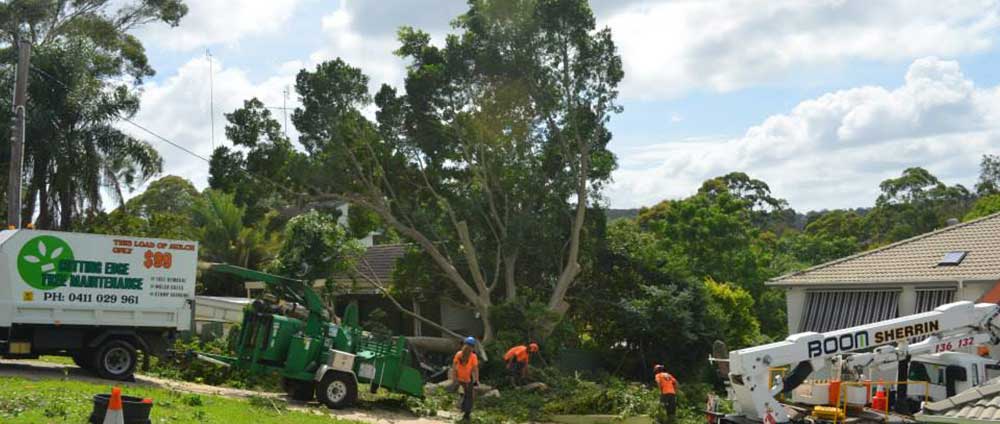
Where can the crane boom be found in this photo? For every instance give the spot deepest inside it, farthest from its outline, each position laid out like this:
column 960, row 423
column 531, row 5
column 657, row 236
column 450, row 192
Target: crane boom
column 749, row 373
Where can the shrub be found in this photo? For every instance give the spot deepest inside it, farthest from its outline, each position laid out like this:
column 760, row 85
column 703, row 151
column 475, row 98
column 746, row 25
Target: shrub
column 184, row 366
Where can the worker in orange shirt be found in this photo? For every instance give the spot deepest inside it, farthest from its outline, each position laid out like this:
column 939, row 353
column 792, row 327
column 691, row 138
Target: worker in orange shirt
column 668, row 390
column 517, row 359
column 465, row 371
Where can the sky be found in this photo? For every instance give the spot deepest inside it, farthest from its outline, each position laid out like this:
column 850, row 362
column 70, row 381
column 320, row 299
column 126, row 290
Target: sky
column 821, row 99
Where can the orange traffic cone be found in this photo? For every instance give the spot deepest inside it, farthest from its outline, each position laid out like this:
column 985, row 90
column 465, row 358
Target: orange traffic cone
column 880, row 402
column 115, row 414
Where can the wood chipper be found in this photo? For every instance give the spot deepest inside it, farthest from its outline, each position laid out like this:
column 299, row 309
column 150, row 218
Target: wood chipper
column 316, row 358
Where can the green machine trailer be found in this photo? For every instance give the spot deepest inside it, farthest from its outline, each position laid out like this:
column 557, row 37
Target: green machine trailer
column 316, row 358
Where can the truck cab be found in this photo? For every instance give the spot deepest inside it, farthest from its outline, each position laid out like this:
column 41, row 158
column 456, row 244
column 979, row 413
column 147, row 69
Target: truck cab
column 947, row 374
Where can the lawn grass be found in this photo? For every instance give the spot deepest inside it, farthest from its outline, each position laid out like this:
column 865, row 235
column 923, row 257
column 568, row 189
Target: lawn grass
column 62, row 360
column 65, row 401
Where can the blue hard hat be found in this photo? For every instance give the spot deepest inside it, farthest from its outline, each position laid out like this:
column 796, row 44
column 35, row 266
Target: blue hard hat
column 471, row 341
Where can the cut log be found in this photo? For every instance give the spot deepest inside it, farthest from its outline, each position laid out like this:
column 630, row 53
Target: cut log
column 534, row 387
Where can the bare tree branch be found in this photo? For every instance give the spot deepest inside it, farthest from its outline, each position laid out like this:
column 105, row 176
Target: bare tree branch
column 376, row 282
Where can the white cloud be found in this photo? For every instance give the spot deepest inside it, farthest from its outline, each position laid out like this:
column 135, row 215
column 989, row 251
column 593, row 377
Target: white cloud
column 832, row 151
column 672, row 47
column 370, row 52
column 178, row 108
column 211, row 22
column 363, row 34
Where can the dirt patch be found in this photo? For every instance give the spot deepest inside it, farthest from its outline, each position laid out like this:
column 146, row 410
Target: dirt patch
column 45, row 370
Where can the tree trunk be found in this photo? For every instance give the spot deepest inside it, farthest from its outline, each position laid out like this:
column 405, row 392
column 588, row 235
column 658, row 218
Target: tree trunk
column 484, row 316
column 510, row 265
column 44, row 207
column 28, row 209
column 417, row 325
column 37, row 195
column 65, row 211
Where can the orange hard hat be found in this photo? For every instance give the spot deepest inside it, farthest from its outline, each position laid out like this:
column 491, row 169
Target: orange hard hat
column 533, row 347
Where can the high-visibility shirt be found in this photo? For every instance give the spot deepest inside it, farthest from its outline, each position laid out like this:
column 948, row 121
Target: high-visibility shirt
column 518, row 352
column 667, row 383
column 463, row 371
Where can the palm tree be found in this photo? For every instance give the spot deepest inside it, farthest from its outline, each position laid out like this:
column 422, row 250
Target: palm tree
column 74, row 153
column 86, row 70
column 226, row 238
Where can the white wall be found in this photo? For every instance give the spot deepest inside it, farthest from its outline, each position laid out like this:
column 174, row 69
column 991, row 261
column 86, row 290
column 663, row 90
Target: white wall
column 974, row 290
column 795, row 298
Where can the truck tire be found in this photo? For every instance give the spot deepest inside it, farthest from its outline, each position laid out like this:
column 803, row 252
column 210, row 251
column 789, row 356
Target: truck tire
column 302, row 391
column 115, row 360
column 337, row 390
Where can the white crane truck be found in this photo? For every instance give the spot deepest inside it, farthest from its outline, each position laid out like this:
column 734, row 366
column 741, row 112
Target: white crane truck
column 955, row 326
column 98, row 299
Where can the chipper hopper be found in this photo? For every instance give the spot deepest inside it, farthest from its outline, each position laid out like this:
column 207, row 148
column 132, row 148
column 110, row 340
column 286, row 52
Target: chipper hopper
column 315, row 357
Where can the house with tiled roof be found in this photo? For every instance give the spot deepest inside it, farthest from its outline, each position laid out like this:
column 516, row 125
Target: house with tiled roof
column 957, row 262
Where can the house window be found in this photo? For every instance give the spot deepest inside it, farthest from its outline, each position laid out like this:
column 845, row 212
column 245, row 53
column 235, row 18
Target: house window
column 928, row 299
column 837, row 309
column 953, row 258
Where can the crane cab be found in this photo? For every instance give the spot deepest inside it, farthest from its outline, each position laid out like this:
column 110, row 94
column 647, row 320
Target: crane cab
column 947, row 374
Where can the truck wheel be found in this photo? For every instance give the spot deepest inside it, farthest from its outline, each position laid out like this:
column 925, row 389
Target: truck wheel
column 337, row 390
column 116, row 360
column 303, row 391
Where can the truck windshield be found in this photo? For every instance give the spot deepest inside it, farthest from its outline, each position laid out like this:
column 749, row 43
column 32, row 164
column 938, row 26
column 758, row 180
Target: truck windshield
column 931, row 373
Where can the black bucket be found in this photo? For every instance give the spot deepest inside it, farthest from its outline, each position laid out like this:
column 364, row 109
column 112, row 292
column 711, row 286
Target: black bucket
column 133, row 409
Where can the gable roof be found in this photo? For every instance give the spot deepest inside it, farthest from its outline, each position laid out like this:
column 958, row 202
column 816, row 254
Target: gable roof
column 976, row 404
column 377, row 264
column 915, row 259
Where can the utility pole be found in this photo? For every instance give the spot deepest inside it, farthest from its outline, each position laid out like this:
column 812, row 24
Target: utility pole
column 211, row 94
column 17, row 135
column 284, row 108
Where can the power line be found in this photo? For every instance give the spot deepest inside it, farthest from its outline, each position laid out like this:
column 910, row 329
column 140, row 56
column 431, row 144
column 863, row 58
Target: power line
column 172, row 143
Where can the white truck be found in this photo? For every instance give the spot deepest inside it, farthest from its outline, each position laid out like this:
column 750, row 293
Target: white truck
column 893, row 343
column 98, row 299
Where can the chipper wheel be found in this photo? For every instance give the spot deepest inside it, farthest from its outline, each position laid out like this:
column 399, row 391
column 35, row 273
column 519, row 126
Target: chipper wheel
column 302, row 391
column 337, row 390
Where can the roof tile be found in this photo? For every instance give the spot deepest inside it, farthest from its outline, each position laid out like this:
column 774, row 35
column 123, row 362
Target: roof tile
column 379, row 261
column 982, row 404
column 915, row 259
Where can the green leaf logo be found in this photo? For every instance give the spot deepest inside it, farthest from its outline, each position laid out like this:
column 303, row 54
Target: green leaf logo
column 40, row 257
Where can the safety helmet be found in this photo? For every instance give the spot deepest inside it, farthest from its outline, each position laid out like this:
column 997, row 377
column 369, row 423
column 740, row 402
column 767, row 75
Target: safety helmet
column 471, row 341
column 533, row 347
column 658, row 368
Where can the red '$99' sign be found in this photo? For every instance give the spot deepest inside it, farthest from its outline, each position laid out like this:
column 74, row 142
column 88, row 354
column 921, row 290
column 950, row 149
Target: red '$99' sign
column 158, row 260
